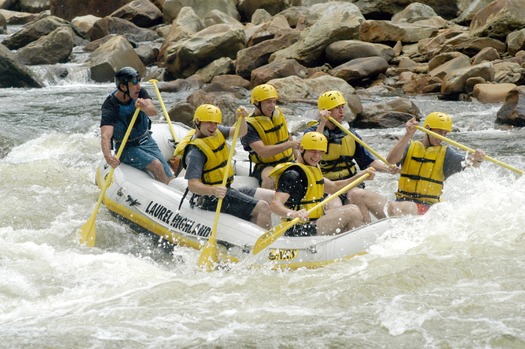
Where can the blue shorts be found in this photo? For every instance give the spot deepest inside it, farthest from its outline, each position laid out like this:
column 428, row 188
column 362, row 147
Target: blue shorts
column 142, row 153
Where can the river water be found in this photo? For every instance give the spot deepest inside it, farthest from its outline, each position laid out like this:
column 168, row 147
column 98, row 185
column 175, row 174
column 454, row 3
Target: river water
column 453, row 278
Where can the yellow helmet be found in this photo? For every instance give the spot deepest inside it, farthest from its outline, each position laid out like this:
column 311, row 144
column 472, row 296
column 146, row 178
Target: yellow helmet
column 314, row 141
column 438, row 120
column 208, row 113
column 263, row 92
column 329, row 100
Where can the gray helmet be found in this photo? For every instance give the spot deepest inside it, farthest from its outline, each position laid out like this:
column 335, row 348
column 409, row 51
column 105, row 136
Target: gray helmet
column 125, row 75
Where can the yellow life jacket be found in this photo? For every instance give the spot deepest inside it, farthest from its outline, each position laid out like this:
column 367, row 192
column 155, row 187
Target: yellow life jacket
column 181, row 147
column 314, row 189
column 216, row 151
column 272, row 131
column 422, row 174
column 338, row 161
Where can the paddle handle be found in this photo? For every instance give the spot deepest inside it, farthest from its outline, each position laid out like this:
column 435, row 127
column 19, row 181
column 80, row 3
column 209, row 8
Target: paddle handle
column 164, row 111
column 225, row 178
column 209, row 252
column 360, row 141
column 270, row 236
column 464, row 147
column 88, row 232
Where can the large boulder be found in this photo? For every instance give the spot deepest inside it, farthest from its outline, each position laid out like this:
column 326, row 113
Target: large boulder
column 18, row 18
column 15, row 74
column 360, row 68
column 35, row 30
column 388, row 31
column 69, row 9
column 142, row 13
column 276, row 70
column 386, row 9
column 248, row 7
column 112, row 55
column 56, row 47
column 512, row 112
column 219, row 40
column 492, row 93
column 295, row 89
column 454, row 83
column 186, row 24
column 34, row 6
column 171, row 8
column 119, row 26
column 338, row 21
column 343, row 51
column 256, row 56
column 498, row 19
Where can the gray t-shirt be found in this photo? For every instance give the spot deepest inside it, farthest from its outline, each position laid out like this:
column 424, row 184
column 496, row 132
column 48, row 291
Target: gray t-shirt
column 195, row 158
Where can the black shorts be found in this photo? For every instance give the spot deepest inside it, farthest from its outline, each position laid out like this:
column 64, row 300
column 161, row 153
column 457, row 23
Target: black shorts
column 257, row 172
column 306, row 229
column 237, row 202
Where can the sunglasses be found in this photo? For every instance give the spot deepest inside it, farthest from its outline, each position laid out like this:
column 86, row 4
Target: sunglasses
column 135, row 81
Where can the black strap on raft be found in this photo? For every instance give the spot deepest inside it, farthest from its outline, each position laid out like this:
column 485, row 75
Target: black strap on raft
column 184, row 196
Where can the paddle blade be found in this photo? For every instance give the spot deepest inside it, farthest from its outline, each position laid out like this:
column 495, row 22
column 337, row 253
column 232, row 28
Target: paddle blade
column 209, row 256
column 271, row 235
column 88, row 232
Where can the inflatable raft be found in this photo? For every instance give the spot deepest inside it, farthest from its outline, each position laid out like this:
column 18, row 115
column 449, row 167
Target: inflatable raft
column 135, row 196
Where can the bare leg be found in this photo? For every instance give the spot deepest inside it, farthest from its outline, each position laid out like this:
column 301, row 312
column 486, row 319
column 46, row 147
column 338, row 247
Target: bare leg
column 402, row 208
column 335, row 203
column 267, row 182
column 368, row 202
column 339, row 220
column 264, row 194
column 155, row 167
column 261, row 215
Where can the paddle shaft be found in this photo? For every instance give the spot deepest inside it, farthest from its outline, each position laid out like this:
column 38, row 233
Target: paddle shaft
column 88, row 232
column 358, row 140
column 464, row 147
column 165, row 112
column 209, row 252
column 270, row 236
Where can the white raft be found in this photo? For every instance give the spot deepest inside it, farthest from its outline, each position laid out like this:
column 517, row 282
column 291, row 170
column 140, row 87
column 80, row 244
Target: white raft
column 135, row 196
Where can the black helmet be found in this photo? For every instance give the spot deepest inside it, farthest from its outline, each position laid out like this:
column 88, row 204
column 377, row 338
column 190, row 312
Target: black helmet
column 125, row 75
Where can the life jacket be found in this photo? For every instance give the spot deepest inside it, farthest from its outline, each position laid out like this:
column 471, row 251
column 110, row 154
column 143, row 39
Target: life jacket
column 314, row 188
column 422, row 174
column 140, row 127
column 180, row 149
column 272, row 130
column 216, row 151
column 338, row 161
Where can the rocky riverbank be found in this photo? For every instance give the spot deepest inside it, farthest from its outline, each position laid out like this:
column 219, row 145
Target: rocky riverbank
column 220, row 50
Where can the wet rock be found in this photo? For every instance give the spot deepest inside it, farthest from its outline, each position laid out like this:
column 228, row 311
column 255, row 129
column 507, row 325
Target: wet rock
column 512, row 112
column 15, row 74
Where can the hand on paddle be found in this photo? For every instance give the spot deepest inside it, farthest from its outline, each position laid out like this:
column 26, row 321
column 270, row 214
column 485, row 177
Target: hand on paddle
column 219, row 191
column 476, row 158
column 301, row 214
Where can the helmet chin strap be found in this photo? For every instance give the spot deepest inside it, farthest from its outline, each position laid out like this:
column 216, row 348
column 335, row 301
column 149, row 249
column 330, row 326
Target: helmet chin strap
column 126, row 92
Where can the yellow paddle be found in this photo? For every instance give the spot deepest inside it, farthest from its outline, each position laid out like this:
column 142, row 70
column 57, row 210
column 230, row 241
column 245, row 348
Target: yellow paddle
column 464, row 147
column 209, row 254
column 166, row 116
column 273, row 234
column 173, row 162
column 344, row 129
column 88, row 232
